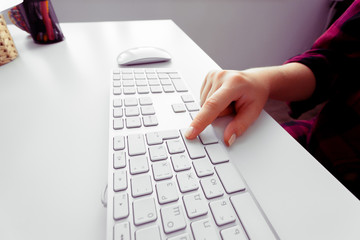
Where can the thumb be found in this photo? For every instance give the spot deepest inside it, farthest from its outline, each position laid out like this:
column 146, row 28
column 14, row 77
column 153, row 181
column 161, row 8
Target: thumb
column 244, row 118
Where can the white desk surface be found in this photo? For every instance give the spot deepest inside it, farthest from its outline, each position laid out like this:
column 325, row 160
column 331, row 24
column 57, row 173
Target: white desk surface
column 53, row 140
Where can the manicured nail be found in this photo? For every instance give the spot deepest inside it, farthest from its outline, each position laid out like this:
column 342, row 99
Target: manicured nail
column 232, row 139
column 189, row 131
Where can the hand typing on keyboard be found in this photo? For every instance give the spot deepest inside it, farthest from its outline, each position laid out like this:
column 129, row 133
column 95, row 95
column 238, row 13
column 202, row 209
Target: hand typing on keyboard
column 244, row 94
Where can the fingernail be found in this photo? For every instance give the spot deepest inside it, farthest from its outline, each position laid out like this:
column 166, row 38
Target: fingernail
column 189, row 131
column 232, row 139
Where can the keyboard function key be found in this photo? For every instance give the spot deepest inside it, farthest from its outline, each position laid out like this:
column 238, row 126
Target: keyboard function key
column 188, row 98
column 192, row 107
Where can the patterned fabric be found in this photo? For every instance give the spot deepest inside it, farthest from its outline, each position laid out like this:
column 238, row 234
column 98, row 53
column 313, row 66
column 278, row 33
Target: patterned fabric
column 334, row 136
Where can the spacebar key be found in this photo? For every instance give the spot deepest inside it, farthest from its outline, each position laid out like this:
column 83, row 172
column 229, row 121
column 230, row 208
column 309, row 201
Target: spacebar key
column 136, row 144
column 251, row 217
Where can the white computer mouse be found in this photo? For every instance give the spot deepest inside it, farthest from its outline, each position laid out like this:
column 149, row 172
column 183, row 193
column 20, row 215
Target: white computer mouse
column 142, row 55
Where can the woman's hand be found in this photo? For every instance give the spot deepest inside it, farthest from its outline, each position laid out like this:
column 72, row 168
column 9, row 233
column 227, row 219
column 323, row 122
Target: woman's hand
column 230, row 92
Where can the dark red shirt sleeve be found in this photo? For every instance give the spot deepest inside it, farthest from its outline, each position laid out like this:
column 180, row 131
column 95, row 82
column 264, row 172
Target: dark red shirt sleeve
column 334, row 59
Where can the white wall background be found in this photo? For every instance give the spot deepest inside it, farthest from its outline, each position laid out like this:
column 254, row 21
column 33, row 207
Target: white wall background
column 237, row 34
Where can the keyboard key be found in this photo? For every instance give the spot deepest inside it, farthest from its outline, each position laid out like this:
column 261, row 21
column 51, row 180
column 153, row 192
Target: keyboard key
column 150, row 120
column 212, row 187
column 152, row 233
column 187, row 98
column 168, row 88
column 184, row 236
column 140, row 76
column 119, row 143
column 141, row 83
column 144, row 211
column 170, row 134
column 180, row 162
column 117, row 112
column 136, row 144
column 162, row 170
column 138, row 164
column 192, row 107
column 187, row 181
column 145, row 101
column 147, row 110
column 117, row 90
column 154, row 82
column 232, row 233
column 156, row 89
column 217, row 153
column 157, row 153
column 129, row 90
column 121, row 206
column 194, row 147
column 154, row 138
column 122, row 231
column 230, row 178
column 167, row 192
column 175, row 146
column 179, row 85
column 130, row 101
column 128, row 83
column 204, row 229
column 120, row 180
column 207, row 136
column 173, row 218
column 117, row 102
column 178, row 107
column 143, row 90
column 141, row 185
column 251, row 217
column 203, row 167
column 223, row 212
column 132, row 111
column 133, row 122
column 118, row 124
column 195, row 205
column 119, row 159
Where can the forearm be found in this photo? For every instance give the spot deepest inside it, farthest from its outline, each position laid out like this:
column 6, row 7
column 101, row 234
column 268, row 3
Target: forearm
column 288, row 82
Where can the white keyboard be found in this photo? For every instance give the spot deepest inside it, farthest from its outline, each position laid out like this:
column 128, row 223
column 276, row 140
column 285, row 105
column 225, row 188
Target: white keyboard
column 161, row 185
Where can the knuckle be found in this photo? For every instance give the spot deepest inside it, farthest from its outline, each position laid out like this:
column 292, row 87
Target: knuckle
column 211, row 104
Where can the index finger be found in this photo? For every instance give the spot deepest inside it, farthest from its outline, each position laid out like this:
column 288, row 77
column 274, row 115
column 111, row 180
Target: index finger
column 210, row 110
